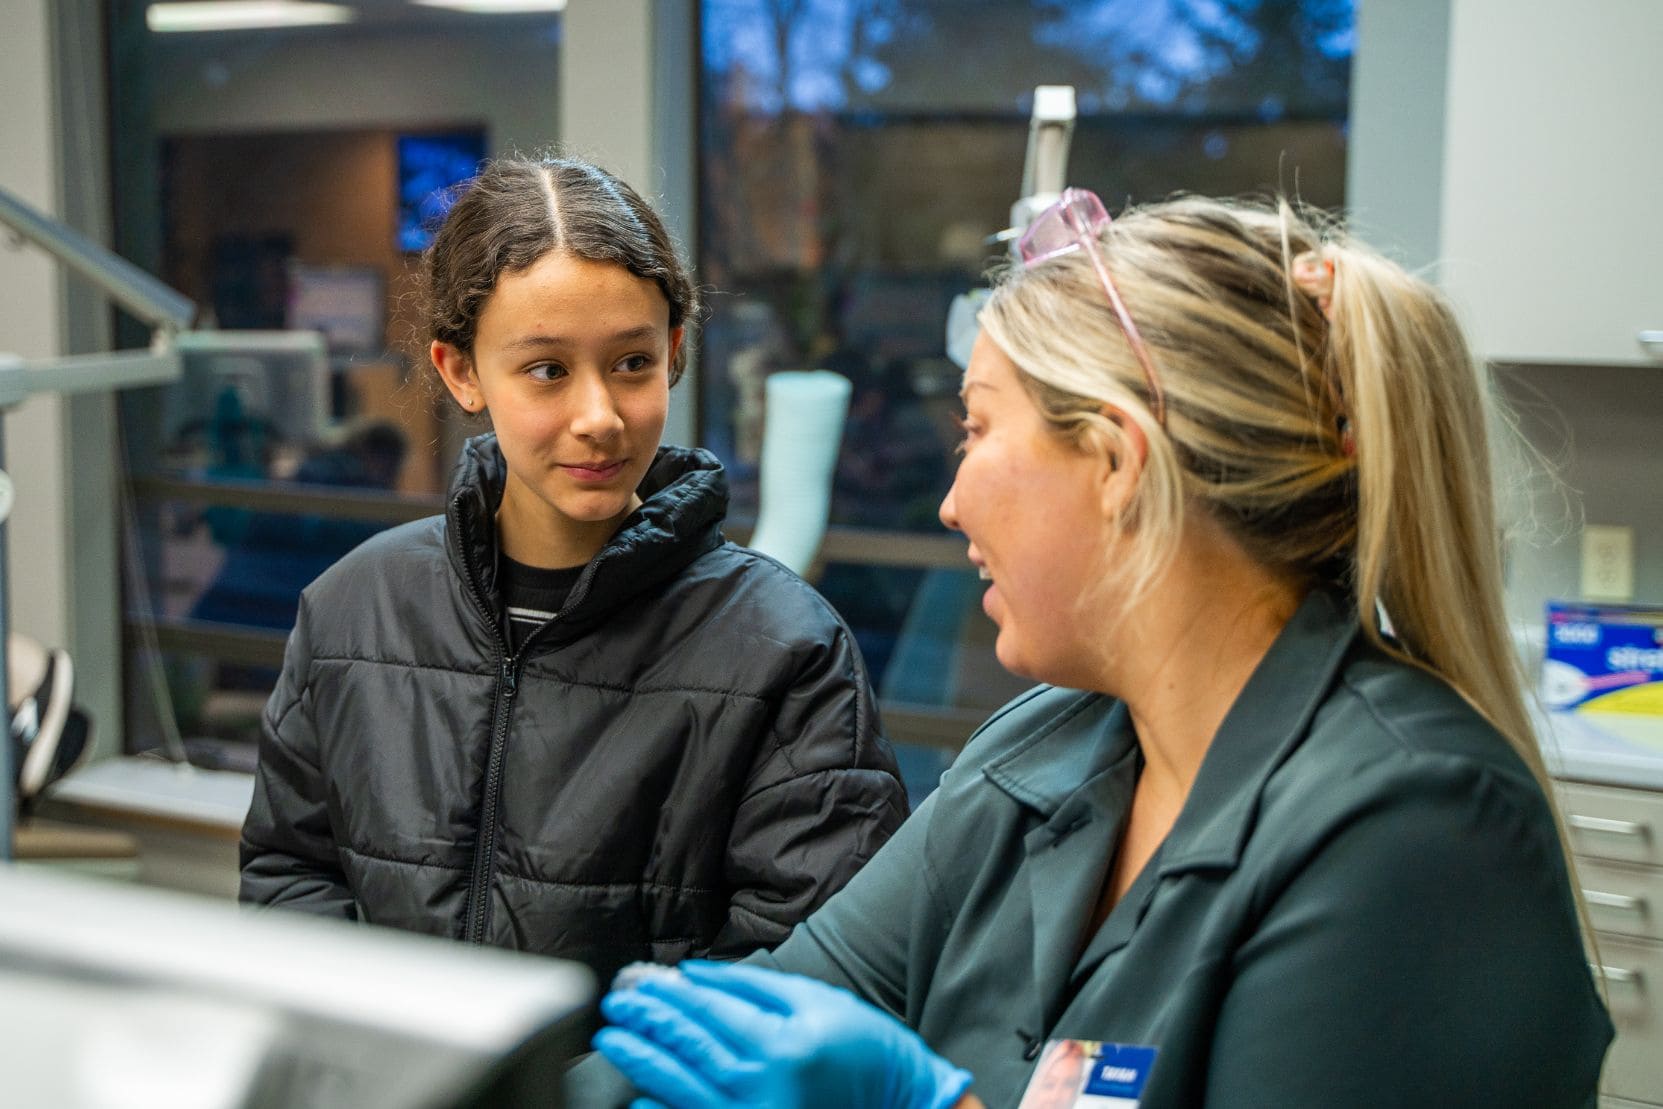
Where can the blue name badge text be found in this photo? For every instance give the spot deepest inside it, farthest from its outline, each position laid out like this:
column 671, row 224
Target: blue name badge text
column 1120, row 1071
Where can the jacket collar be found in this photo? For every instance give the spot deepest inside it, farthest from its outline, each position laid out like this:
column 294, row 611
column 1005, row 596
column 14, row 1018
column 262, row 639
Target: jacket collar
column 684, row 498
column 1054, row 772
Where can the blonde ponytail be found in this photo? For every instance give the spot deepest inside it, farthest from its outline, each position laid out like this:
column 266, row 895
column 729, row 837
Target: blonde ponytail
column 1428, row 548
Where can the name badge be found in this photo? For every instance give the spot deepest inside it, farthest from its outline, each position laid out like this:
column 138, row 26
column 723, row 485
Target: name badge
column 1089, row 1074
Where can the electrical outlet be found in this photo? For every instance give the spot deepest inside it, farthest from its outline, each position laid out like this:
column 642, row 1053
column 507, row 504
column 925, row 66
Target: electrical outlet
column 1607, row 563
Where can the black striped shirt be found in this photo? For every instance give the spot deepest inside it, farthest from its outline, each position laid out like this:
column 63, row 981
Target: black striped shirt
column 533, row 596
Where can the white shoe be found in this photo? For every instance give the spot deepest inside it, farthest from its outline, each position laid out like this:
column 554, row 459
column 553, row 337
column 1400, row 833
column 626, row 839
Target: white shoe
column 40, row 686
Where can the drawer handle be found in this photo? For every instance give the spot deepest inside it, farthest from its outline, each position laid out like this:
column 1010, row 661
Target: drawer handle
column 1652, row 343
column 1615, row 901
column 1619, row 975
column 1609, row 827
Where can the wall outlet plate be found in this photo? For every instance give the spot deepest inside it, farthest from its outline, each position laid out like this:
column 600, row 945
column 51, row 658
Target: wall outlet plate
column 1607, row 563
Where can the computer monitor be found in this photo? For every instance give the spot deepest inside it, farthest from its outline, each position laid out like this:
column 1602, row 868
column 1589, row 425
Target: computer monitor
column 242, row 391
column 430, row 166
column 114, row 996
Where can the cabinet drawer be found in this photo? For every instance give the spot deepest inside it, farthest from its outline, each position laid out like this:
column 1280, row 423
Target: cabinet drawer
column 1611, row 823
column 1623, row 899
column 1634, row 1065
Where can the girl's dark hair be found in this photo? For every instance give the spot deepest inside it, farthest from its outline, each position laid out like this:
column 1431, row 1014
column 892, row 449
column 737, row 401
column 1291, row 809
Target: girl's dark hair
column 517, row 210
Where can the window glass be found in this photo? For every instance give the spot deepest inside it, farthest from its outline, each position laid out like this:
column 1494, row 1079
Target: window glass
column 856, row 159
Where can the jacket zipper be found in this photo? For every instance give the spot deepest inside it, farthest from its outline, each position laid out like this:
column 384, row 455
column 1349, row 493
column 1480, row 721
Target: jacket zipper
column 485, row 848
column 508, row 684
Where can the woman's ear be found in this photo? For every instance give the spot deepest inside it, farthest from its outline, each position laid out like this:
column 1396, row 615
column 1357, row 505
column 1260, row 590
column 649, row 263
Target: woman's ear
column 1124, row 453
column 677, row 334
column 457, row 372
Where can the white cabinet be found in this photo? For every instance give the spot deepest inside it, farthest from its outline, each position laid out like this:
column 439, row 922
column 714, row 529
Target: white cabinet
column 1551, row 214
column 1616, row 835
column 1513, row 150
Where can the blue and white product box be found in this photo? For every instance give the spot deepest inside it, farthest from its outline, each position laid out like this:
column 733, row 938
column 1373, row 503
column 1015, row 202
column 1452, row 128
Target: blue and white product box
column 1604, row 658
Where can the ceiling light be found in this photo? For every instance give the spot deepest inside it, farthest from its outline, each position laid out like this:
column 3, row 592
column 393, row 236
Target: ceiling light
column 243, row 15
column 496, row 7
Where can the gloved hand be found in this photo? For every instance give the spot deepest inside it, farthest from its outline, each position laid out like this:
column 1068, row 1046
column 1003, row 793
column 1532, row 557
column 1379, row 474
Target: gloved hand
column 720, row 1036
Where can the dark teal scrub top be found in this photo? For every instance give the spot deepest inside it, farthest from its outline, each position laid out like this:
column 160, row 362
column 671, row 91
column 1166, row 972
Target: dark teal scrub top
column 1363, row 902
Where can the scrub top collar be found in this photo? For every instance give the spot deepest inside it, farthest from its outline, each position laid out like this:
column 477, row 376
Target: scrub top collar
column 1055, row 772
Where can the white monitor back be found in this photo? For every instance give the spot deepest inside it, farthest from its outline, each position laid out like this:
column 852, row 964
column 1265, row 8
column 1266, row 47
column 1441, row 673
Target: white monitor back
column 115, row 997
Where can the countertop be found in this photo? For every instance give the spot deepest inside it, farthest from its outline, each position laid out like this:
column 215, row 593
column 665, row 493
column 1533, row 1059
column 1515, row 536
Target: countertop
column 212, row 800
column 1618, row 749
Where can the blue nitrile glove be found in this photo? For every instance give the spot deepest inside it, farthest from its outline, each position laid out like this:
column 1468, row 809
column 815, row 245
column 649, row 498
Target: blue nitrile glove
column 720, row 1036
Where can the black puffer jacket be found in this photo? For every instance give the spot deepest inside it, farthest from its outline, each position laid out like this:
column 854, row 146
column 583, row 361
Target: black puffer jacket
column 686, row 760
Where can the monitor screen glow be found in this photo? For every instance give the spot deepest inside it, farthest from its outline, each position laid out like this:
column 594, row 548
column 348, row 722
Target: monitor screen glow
column 430, row 166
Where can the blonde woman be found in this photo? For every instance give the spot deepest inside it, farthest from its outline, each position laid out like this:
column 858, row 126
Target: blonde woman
column 1256, row 848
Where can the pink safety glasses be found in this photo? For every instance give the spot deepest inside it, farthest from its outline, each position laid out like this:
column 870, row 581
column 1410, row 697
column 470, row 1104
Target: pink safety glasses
column 1075, row 222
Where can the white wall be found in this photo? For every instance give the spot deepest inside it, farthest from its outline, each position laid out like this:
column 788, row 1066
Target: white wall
column 607, row 88
column 30, row 326
column 1394, row 168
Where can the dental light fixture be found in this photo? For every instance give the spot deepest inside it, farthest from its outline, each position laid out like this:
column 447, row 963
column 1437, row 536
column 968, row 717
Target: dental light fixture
column 496, row 7
column 243, row 15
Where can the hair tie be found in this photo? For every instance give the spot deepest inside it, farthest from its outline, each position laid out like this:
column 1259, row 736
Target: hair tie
column 1313, row 275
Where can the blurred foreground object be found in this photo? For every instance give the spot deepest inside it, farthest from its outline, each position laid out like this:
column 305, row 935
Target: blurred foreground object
column 119, row 997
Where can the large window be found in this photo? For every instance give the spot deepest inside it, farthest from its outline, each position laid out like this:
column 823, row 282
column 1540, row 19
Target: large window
column 856, row 159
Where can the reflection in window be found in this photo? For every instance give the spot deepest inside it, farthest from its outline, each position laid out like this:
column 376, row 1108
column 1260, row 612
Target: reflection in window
column 856, row 158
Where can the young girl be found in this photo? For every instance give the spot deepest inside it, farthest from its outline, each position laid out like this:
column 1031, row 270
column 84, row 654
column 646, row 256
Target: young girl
column 567, row 716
